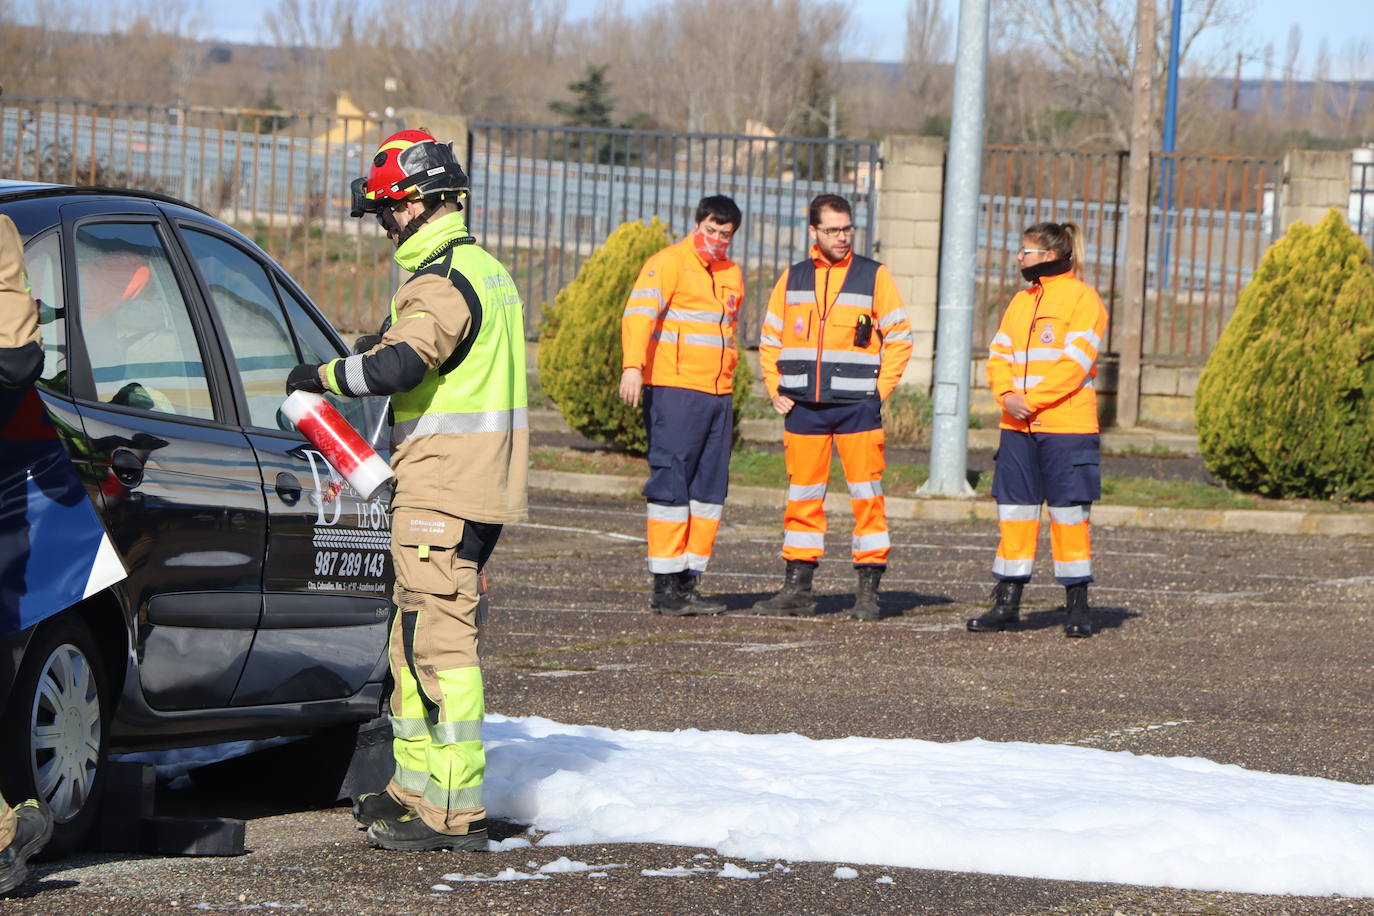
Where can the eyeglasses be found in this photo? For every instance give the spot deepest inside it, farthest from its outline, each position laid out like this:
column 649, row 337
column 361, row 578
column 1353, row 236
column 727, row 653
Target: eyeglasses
column 831, row 232
column 1022, row 252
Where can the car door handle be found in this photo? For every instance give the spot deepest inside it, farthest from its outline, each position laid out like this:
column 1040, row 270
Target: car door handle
column 288, row 488
column 127, row 467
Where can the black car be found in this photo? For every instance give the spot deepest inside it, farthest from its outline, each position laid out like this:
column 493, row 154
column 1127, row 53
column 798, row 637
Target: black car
column 258, row 593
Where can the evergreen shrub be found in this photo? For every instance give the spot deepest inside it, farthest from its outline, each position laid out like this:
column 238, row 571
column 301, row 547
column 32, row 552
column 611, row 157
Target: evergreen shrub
column 579, row 342
column 1285, row 405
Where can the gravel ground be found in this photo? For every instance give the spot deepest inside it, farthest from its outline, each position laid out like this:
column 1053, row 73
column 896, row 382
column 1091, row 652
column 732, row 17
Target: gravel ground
column 1243, row 649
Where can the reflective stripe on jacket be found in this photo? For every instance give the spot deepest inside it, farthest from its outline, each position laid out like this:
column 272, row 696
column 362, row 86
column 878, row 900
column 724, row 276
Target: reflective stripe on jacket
column 1046, row 347
column 809, row 348
column 679, row 322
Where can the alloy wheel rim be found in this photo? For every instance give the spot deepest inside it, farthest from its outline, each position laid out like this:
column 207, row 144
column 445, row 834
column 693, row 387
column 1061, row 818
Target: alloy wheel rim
column 65, row 725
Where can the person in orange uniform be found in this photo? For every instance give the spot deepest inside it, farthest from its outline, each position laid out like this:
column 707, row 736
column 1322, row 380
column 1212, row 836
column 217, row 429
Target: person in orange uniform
column 1041, row 366
column 834, row 345
column 678, row 350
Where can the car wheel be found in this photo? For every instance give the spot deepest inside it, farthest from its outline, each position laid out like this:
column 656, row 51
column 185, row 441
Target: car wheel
column 59, row 712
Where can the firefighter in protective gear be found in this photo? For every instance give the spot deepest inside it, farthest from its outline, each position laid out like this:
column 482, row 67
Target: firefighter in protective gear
column 451, row 356
column 25, row 829
column 1041, row 365
column 678, row 355
column 834, row 345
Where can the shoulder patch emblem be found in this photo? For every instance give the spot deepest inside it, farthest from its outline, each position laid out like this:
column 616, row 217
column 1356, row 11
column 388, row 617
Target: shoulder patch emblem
column 799, row 326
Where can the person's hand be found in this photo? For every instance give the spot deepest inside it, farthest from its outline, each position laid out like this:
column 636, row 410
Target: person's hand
column 1015, row 404
column 305, row 377
column 631, row 386
column 783, row 404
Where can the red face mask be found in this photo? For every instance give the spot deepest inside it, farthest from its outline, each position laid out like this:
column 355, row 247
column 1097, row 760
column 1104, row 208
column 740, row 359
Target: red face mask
column 712, row 251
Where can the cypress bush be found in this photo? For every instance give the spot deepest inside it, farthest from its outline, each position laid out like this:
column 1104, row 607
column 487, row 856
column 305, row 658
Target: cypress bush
column 1285, row 405
column 579, row 343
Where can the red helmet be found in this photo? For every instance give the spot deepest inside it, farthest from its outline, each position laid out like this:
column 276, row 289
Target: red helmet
column 408, row 165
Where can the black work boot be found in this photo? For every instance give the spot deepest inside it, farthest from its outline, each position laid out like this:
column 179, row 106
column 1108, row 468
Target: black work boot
column 1006, row 609
column 795, row 597
column 31, row 834
column 1076, row 603
column 668, row 597
column 409, row 832
column 866, row 600
column 699, row 603
column 372, row 807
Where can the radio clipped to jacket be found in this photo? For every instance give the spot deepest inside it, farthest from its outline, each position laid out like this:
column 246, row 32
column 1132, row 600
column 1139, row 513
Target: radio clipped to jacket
column 863, row 331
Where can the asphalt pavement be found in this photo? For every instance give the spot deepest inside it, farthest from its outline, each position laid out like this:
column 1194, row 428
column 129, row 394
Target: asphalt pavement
column 1250, row 649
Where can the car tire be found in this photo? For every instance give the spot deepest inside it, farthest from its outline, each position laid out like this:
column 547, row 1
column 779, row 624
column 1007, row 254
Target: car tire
column 58, row 713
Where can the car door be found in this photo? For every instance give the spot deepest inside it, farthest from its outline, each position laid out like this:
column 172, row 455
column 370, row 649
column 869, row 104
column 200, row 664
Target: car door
column 183, row 496
column 327, row 579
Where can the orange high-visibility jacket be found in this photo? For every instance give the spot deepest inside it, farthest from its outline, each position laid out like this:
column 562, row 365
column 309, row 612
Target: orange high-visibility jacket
column 679, row 323
column 811, row 333
column 1046, row 348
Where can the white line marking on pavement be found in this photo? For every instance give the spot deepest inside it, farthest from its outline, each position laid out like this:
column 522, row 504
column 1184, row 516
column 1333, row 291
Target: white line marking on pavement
column 587, row 510
column 1134, row 730
column 775, row 647
column 559, row 673
column 608, row 534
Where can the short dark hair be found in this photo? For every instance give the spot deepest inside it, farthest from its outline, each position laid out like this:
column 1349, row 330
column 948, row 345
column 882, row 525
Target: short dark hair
column 720, row 208
column 827, row 202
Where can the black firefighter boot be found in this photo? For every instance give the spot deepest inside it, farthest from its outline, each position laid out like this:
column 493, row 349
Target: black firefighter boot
column 795, row 597
column 31, row 834
column 1076, row 603
column 668, row 597
column 699, row 603
column 866, row 601
column 1006, row 609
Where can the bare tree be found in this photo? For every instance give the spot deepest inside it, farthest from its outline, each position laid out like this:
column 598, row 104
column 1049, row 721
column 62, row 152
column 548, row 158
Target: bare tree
column 1090, row 42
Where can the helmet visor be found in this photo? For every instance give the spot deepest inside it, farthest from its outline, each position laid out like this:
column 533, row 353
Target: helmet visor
column 362, row 204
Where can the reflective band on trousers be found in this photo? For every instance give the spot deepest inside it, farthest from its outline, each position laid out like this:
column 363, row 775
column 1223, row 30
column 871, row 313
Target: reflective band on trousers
column 1069, row 515
column 455, row 732
column 877, row 541
column 665, row 565
column 453, row 799
column 453, row 424
column 866, row 489
column 658, row 512
column 411, row 780
column 798, row 492
column 1074, row 569
column 813, row 539
column 706, row 510
column 409, row 728
column 1010, row 513
column 697, row 562
column 1012, row 569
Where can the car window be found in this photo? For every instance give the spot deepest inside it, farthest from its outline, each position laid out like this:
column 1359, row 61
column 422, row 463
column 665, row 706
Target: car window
column 252, row 319
column 135, row 322
column 43, row 262
column 316, row 347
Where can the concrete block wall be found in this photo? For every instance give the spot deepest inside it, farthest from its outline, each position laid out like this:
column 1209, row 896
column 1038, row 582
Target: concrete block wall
column 910, row 192
column 1314, row 181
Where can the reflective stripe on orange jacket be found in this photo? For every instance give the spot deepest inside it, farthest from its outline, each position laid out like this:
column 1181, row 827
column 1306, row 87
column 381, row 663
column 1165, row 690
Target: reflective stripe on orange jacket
column 1047, row 348
column 807, row 349
column 679, row 323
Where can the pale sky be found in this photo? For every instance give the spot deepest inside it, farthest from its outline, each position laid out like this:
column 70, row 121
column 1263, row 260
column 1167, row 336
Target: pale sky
column 880, row 25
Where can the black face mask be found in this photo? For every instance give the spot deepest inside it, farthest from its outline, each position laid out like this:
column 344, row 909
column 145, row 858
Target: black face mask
column 1047, row 269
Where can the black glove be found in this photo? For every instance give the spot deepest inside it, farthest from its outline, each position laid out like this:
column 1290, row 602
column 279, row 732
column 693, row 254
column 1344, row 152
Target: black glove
column 305, row 377
column 366, row 342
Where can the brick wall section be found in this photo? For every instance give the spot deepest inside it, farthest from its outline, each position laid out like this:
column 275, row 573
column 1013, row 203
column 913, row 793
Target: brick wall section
column 910, row 191
column 1314, row 181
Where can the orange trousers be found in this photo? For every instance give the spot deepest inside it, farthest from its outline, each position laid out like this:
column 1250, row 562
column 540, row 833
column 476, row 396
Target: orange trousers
column 812, row 433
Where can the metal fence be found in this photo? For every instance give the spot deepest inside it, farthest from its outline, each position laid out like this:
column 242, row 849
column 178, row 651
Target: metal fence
column 279, row 177
column 546, row 197
column 1361, row 214
column 1211, row 219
